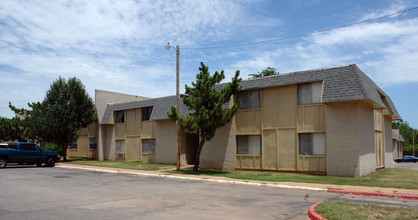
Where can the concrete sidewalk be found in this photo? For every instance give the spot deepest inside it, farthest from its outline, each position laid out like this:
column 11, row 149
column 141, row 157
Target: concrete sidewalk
column 344, row 189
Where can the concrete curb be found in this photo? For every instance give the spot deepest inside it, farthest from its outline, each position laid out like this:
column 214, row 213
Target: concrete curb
column 196, row 178
column 376, row 194
column 274, row 185
column 312, row 214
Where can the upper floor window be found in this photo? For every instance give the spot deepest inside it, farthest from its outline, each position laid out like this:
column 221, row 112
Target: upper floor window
column 146, row 113
column 310, row 93
column 250, row 99
column 120, row 116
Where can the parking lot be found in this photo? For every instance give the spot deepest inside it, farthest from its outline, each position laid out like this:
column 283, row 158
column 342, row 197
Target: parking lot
column 411, row 166
column 30, row 192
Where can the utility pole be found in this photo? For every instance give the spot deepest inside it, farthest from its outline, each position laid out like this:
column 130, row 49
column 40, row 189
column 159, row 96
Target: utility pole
column 413, row 142
column 177, row 49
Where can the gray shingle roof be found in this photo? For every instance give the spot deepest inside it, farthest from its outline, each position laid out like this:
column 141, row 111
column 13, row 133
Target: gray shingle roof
column 160, row 108
column 343, row 83
column 397, row 137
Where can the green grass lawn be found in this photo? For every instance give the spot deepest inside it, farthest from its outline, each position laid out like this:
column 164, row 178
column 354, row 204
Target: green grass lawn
column 344, row 210
column 132, row 165
column 390, row 178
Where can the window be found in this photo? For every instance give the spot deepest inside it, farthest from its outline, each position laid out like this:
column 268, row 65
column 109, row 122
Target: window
column 120, row 116
column 28, row 147
column 93, row 143
column 120, row 150
column 120, row 147
column 249, row 99
column 249, row 144
column 73, row 145
column 312, row 144
column 148, row 146
column 310, row 93
column 146, row 113
column 12, row 146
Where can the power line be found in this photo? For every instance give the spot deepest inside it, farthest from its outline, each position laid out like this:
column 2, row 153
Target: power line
column 303, row 35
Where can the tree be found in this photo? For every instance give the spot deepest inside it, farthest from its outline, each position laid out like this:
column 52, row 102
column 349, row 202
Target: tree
column 207, row 104
column 406, row 131
column 269, row 71
column 12, row 129
column 65, row 110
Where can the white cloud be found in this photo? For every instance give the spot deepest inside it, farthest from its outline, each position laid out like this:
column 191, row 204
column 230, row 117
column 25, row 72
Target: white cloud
column 112, row 45
column 387, row 50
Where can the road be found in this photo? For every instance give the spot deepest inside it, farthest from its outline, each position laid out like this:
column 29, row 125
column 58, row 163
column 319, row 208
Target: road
column 30, row 192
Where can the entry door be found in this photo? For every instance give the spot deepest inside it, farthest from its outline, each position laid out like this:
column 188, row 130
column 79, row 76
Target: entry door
column 192, row 143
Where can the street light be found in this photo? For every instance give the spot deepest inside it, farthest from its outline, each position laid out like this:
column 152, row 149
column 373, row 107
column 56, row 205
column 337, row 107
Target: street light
column 177, row 49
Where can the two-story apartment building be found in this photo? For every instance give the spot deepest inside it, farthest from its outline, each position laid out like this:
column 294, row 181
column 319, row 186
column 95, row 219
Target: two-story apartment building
column 334, row 121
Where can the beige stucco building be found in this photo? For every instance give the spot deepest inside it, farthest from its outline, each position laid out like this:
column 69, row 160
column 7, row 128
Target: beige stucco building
column 333, row 121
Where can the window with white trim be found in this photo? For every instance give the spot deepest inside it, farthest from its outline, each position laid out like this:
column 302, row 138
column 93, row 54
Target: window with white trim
column 310, row 93
column 249, row 144
column 312, row 144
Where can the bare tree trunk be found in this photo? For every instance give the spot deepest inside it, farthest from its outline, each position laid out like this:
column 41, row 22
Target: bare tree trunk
column 64, row 152
column 197, row 156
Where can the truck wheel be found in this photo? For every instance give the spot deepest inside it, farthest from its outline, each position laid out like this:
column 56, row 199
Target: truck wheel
column 51, row 162
column 38, row 164
column 3, row 163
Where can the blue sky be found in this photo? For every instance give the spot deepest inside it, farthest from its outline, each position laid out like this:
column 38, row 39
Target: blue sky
column 119, row 45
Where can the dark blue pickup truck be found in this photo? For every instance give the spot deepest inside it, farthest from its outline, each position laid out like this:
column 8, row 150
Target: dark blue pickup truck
column 27, row 153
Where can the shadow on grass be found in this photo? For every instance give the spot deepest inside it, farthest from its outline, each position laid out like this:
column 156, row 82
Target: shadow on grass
column 201, row 172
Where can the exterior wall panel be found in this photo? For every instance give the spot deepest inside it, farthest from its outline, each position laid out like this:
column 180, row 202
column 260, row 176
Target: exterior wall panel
column 132, row 149
column 166, row 149
column 219, row 153
column 120, row 131
column 342, row 137
column 367, row 159
column 287, row 149
column 269, row 149
column 311, row 118
column 131, row 123
column 287, row 106
column 270, row 107
column 388, row 142
column 248, row 121
column 148, row 129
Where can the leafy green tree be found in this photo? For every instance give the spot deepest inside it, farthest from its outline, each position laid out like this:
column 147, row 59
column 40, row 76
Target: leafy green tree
column 405, row 130
column 65, row 110
column 269, row 71
column 12, row 129
column 207, row 104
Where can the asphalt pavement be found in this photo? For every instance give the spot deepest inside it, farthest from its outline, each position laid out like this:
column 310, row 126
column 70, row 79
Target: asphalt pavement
column 82, row 192
column 30, row 192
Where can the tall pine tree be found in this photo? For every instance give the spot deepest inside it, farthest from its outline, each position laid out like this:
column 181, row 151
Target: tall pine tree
column 207, row 104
